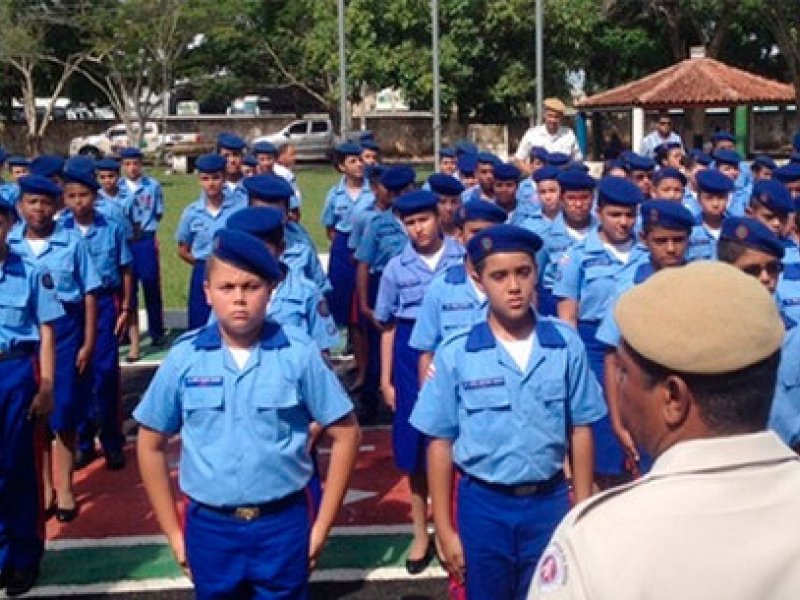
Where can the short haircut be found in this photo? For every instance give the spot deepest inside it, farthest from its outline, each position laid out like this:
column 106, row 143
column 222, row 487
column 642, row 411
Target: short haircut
column 729, row 403
column 282, row 148
column 729, row 251
column 664, row 114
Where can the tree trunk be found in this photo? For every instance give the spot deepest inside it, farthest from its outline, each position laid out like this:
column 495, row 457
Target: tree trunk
column 34, row 143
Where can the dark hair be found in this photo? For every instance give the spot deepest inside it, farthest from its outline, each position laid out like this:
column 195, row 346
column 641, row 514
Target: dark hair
column 729, row 251
column 729, row 403
column 282, row 148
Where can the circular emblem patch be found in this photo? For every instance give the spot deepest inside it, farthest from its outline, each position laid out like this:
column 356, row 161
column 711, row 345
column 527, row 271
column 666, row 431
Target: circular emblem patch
column 741, row 232
column 653, row 215
column 47, row 281
column 552, row 570
column 487, row 244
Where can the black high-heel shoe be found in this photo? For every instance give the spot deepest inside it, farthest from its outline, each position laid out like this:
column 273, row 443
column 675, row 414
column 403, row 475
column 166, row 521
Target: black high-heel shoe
column 50, row 509
column 415, row 567
column 66, row 515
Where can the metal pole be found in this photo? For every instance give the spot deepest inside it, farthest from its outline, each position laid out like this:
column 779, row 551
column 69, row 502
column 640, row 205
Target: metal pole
column 437, row 118
column 343, row 116
column 539, row 61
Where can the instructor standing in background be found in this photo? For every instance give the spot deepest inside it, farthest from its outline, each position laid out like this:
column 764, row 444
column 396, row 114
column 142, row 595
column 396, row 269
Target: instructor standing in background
column 550, row 135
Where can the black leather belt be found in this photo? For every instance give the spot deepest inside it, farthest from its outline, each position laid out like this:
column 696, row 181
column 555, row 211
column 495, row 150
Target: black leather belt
column 251, row 512
column 20, row 351
column 522, row 489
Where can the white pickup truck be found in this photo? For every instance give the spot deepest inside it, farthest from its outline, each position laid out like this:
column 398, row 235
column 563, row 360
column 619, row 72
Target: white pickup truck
column 113, row 139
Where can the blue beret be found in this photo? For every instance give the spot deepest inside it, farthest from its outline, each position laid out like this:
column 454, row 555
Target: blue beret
column 545, row 174
column 701, row 158
column 445, row 185
column 666, row 147
column 396, row 179
column 618, row 190
column 465, row 147
column 571, row 181
column 366, row 136
column 502, row 238
column 788, row 173
column 488, row 158
column 727, row 157
column 466, row 163
column 414, row 202
column 637, row 162
column 480, row 210
column 38, row 184
column 18, row 161
column 370, row 144
column 720, row 136
column 265, row 148
column 506, row 172
column 763, row 160
column 619, row 163
column 794, row 157
column 3, row 155
column 667, row 214
column 577, row 165
column 348, row 149
column 260, row 221
column 47, row 165
column 447, row 153
column 539, row 153
column 751, row 233
column 557, row 159
column 250, row 160
column 131, row 152
column 269, row 188
column 7, row 207
column 230, row 141
column 374, row 172
column 107, row 164
column 774, row 195
column 210, row 163
column 669, row 173
column 246, row 252
column 713, row 182
column 77, row 175
column 80, row 163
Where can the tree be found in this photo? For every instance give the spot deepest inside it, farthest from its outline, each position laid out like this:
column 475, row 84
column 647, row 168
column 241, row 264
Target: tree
column 26, row 47
column 783, row 19
column 138, row 43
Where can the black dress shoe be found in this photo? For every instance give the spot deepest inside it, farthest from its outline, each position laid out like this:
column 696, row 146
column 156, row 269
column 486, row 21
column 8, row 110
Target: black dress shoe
column 66, row 515
column 84, row 459
column 415, row 567
column 3, row 575
column 20, row 581
column 115, row 461
column 158, row 341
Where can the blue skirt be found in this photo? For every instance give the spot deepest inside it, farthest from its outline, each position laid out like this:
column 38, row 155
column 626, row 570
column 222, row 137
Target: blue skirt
column 408, row 443
column 609, row 457
column 342, row 275
column 71, row 393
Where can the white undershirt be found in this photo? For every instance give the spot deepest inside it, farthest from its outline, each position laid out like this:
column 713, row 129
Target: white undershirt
column 621, row 252
column 520, row 350
column 132, row 185
column 37, row 246
column 84, row 229
column 241, row 355
column 433, row 259
column 213, row 210
column 713, row 232
column 577, row 234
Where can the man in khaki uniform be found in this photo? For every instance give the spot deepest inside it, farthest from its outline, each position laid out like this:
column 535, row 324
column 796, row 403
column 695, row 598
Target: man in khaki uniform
column 718, row 515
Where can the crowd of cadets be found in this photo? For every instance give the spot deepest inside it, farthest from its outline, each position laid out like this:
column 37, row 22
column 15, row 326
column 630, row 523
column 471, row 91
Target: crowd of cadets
column 497, row 405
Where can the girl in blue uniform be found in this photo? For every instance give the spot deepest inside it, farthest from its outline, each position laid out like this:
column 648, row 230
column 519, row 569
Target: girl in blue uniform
column 111, row 257
column 64, row 254
column 402, row 287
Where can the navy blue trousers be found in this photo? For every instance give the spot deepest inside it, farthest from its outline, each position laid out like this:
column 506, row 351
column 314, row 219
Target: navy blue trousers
column 147, row 271
column 264, row 559
column 21, row 530
column 503, row 537
column 199, row 310
column 342, row 275
column 71, row 391
column 407, row 442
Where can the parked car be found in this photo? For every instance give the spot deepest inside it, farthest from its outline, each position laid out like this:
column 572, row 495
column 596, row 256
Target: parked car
column 313, row 137
column 115, row 138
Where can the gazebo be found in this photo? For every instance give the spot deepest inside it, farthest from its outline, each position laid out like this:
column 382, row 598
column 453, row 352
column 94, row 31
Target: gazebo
column 694, row 85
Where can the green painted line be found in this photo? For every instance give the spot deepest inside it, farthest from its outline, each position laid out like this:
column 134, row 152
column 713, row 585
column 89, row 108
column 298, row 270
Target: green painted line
column 83, row 566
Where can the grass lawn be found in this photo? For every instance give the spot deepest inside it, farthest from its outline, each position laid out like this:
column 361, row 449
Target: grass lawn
column 180, row 190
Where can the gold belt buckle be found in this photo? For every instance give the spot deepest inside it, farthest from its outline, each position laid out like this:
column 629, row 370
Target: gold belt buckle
column 247, row 513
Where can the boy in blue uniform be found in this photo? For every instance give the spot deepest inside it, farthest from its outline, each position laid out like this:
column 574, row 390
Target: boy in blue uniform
column 65, row 255
column 147, row 209
column 727, row 162
column 231, row 147
column 112, row 199
column 108, row 250
column 242, row 392
column 483, row 189
column 265, row 153
column 666, row 226
column 28, row 308
column 505, row 401
column 743, row 185
column 467, row 162
column 448, row 189
column 403, row 285
column 447, row 162
column 585, row 285
column 453, row 302
column 199, row 222
column 713, row 195
column 763, row 167
column 641, row 170
column 784, row 417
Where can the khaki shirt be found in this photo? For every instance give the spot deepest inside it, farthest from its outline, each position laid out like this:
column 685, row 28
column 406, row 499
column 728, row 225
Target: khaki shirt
column 715, row 518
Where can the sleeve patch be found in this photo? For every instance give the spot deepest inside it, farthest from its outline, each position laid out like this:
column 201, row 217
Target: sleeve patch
column 47, row 281
column 552, row 570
